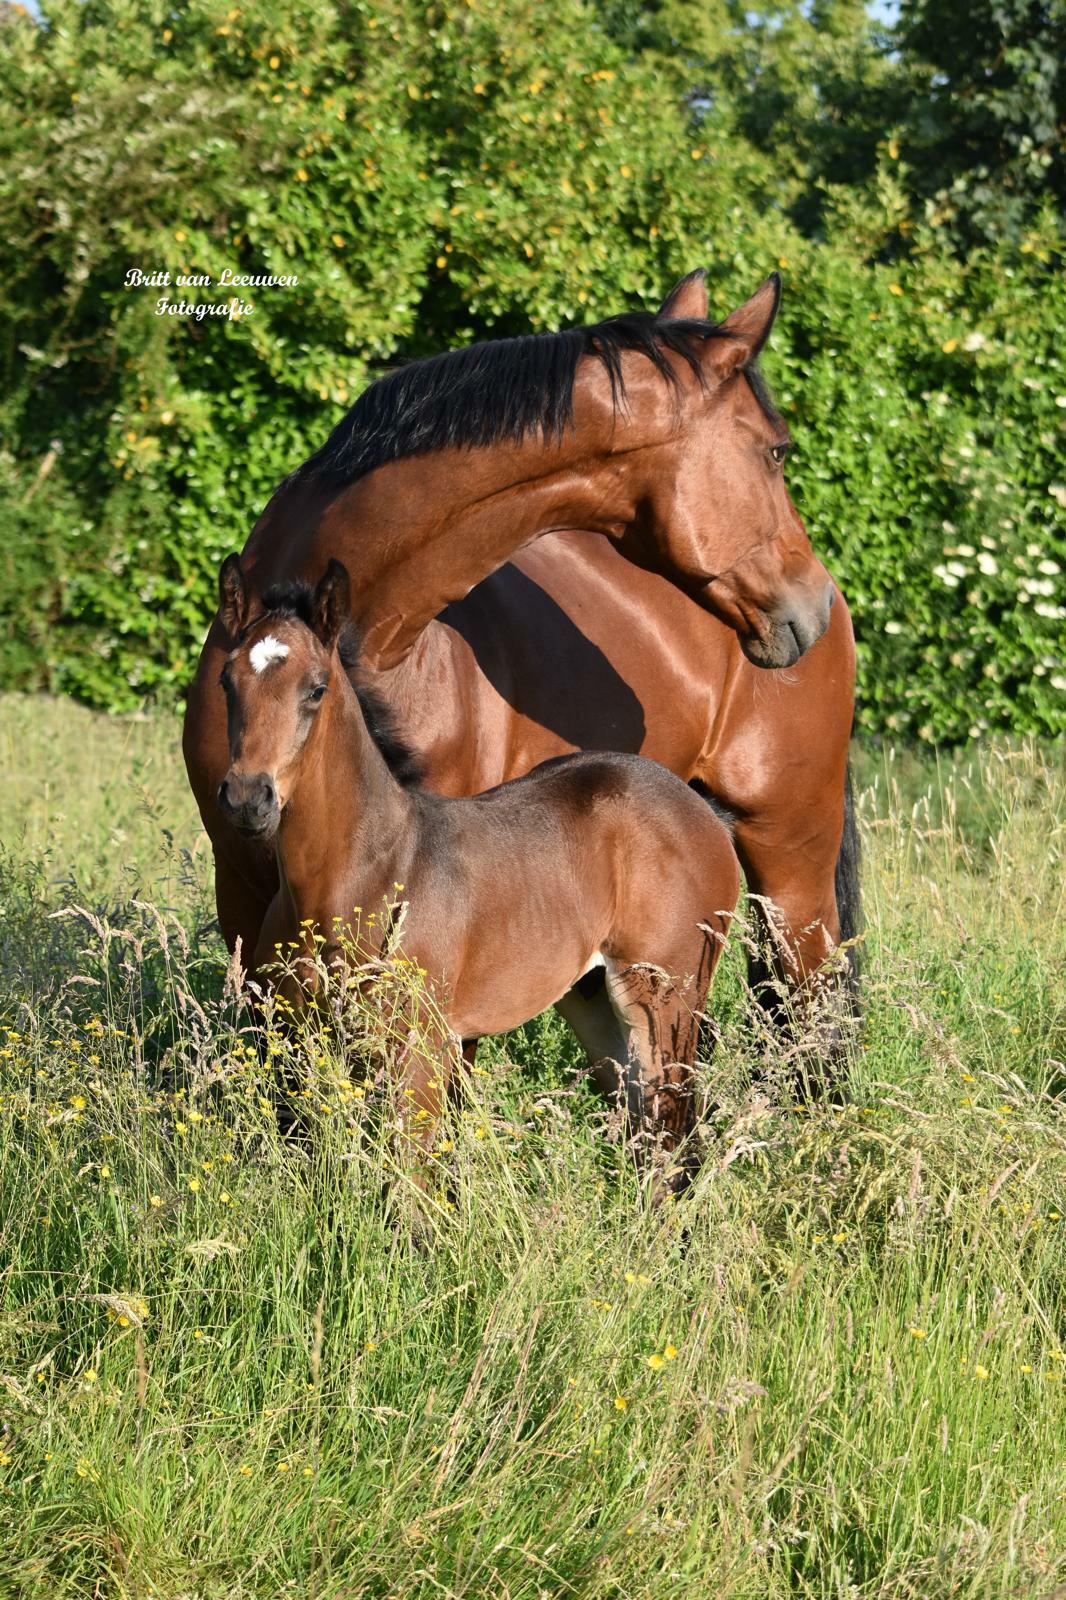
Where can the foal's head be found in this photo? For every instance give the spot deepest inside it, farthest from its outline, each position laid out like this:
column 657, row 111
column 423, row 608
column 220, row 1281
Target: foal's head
column 275, row 683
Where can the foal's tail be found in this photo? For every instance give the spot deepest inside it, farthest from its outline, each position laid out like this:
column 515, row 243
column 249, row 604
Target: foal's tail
column 848, row 879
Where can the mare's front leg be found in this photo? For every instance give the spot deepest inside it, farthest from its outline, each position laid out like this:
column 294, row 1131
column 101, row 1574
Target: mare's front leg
column 780, row 763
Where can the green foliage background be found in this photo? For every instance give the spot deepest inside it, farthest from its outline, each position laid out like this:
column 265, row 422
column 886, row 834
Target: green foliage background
column 436, row 173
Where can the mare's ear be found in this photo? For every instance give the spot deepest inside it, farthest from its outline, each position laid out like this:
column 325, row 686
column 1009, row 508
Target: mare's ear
column 749, row 328
column 232, row 597
column 332, row 603
column 687, row 299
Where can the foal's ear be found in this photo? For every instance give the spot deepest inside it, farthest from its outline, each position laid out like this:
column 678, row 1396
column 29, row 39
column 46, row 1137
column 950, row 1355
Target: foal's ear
column 749, row 327
column 687, row 299
column 331, row 606
column 232, row 597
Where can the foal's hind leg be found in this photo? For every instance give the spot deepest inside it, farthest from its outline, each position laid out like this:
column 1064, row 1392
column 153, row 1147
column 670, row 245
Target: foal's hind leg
column 639, row 1033
column 660, row 1091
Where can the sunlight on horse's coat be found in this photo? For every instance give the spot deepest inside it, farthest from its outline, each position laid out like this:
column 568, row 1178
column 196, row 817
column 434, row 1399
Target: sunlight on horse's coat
column 267, row 651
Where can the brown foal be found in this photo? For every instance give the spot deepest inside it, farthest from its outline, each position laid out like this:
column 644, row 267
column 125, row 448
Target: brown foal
column 512, row 896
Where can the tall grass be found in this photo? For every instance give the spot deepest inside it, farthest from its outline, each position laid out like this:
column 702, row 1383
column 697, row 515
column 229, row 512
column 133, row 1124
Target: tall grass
column 234, row 1363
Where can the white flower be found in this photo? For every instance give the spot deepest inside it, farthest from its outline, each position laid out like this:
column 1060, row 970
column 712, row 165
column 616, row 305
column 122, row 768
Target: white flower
column 974, row 341
column 1060, row 400
column 988, row 564
column 1058, row 680
column 1057, row 491
column 893, row 627
column 946, row 576
column 1050, row 567
column 1043, row 610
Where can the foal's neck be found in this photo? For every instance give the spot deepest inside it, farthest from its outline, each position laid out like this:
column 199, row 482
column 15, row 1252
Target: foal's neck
column 348, row 826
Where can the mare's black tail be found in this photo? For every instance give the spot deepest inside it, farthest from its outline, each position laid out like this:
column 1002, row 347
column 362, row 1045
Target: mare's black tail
column 848, row 879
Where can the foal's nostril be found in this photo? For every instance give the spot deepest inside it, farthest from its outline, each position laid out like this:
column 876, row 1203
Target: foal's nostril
column 223, row 795
column 268, row 795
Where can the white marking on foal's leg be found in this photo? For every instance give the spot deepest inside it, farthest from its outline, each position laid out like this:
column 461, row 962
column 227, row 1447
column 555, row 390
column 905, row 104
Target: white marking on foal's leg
column 267, row 651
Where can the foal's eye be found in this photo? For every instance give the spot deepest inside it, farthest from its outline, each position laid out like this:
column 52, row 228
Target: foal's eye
column 778, row 452
column 315, row 697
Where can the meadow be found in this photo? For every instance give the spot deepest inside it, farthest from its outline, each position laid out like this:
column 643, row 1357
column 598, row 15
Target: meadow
column 238, row 1364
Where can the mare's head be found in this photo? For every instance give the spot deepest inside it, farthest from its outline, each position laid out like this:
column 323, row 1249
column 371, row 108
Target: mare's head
column 716, row 511
column 275, row 683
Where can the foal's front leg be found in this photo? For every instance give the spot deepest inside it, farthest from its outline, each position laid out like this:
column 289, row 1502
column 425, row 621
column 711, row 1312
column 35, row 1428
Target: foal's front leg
column 425, row 1064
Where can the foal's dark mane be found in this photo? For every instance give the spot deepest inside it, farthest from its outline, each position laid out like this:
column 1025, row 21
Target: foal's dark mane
column 296, row 599
column 501, row 390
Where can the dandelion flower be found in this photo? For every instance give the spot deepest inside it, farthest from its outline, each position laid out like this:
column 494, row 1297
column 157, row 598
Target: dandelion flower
column 918, row 1333
column 105, row 1172
column 620, row 1402
column 670, row 1353
column 283, row 1466
column 155, row 1201
column 245, row 1470
column 194, row 1184
column 655, row 1363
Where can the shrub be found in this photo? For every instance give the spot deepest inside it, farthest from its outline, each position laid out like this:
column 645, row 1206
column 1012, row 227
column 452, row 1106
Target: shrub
column 435, row 174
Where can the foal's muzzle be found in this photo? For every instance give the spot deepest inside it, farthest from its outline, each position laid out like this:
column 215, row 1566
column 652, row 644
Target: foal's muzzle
column 250, row 802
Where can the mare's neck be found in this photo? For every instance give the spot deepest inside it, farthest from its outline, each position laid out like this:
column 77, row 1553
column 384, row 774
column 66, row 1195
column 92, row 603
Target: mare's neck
column 347, row 828
column 421, row 532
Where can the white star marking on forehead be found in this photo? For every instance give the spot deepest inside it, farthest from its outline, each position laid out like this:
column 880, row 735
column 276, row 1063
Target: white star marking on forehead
column 266, row 652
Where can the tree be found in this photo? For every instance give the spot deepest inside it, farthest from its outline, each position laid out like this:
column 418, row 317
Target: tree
column 985, row 132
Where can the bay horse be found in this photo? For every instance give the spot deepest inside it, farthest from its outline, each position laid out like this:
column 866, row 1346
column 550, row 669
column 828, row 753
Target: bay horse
column 591, row 861
column 581, row 541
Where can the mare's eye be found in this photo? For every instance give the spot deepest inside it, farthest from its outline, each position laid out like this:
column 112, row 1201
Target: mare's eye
column 778, row 452
column 315, row 697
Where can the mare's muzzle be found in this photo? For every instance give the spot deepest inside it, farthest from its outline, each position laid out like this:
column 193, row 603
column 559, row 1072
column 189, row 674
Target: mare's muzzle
column 789, row 632
column 250, row 802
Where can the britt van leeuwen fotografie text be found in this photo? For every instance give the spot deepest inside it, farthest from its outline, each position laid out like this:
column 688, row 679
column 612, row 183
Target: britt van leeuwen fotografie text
column 233, row 307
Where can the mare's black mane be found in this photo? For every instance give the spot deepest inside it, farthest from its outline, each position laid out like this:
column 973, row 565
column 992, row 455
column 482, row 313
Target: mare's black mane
column 500, row 390
column 296, row 599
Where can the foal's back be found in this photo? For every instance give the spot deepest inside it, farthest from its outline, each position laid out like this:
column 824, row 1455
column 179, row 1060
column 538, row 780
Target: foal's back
column 590, row 860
